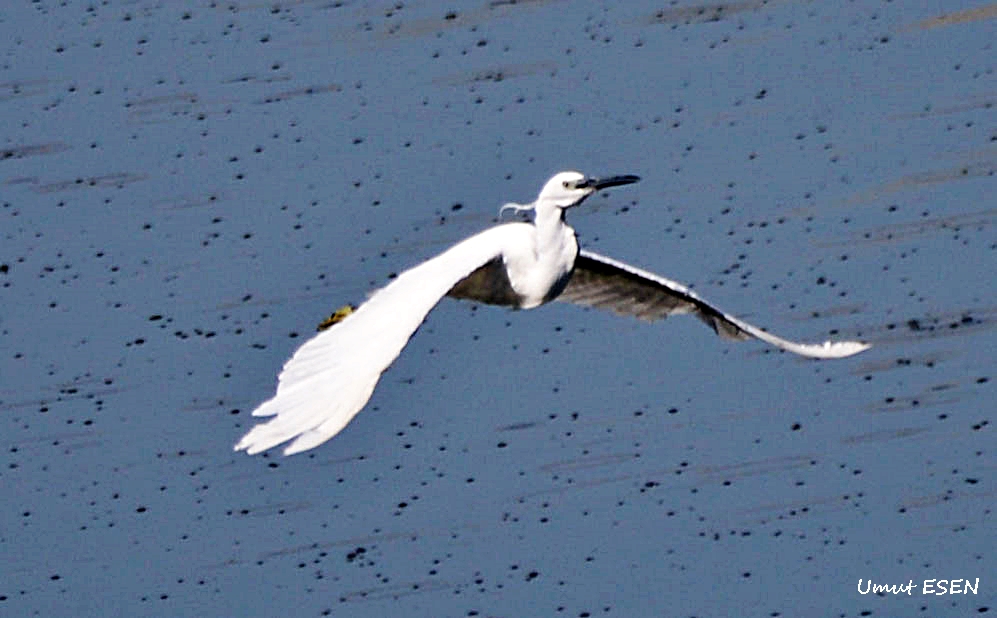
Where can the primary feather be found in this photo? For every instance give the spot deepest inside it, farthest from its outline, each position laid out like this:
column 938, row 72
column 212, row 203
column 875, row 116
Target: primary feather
column 332, row 376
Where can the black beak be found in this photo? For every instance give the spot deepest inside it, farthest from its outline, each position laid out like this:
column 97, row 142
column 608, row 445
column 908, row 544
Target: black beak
column 598, row 184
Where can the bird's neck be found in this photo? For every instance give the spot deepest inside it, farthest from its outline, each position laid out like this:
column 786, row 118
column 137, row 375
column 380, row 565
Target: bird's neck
column 552, row 230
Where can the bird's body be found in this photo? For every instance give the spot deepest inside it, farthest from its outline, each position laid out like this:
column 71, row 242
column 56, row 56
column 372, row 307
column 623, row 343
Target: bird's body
column 332, row 376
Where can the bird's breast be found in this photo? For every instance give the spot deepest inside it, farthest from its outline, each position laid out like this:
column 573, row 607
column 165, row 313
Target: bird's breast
column 540, row 276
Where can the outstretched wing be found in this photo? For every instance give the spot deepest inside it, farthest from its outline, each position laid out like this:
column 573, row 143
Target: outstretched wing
column 605, row 283
column 332, row 375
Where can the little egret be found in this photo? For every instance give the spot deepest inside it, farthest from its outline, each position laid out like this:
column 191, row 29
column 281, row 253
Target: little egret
column 522, row 265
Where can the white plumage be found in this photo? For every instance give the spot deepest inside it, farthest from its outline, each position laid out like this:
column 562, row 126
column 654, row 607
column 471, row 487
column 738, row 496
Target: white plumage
column 332, row 376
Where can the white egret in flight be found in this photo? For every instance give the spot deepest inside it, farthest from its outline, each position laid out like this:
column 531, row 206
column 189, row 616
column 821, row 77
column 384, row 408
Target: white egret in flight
column 518, row 264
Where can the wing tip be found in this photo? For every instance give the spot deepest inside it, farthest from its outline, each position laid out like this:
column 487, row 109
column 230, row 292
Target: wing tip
column 307, row 441
column 302, row 442
column 838, row 349
column 251, row 446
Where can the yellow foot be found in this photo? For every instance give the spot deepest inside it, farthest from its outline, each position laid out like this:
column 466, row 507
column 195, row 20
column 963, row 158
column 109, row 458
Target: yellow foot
column 338, row 316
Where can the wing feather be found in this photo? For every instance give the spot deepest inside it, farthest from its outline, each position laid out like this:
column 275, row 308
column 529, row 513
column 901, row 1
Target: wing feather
column 604, row 283
column 331, row 376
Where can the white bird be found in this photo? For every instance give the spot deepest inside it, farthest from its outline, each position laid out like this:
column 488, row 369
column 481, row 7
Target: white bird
column 523, row 265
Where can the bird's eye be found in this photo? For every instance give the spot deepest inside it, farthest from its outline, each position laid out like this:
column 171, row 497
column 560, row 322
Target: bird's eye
column 566, row 184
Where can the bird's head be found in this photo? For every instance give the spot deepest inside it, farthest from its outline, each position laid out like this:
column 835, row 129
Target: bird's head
column 567, row 189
